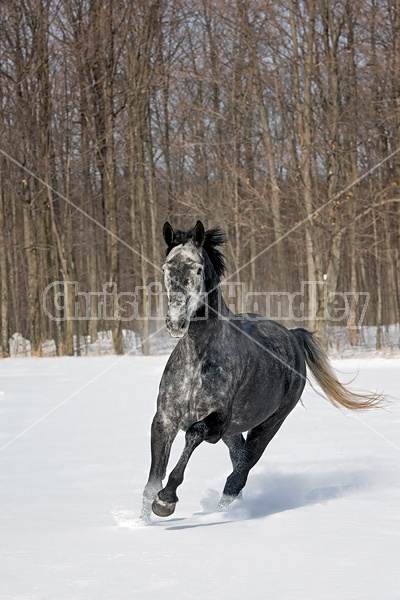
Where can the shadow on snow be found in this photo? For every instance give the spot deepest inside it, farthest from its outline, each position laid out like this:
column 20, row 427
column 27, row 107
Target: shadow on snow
column 273, row 493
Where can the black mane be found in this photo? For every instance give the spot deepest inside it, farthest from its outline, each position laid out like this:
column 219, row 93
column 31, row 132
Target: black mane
column 213, row 237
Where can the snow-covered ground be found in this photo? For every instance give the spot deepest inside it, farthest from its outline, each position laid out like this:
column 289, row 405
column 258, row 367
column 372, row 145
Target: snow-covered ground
column 319, row 517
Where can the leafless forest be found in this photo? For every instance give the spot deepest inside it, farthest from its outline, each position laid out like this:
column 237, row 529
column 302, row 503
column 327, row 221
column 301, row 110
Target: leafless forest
column 117, row 115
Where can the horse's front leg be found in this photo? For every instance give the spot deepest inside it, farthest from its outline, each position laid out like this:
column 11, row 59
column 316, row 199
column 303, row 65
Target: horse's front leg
column 163, row 433
column 209, row 429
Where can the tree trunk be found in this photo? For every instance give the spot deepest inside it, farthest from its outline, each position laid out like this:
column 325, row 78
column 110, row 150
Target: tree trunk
column 304, row 123
column 4, row 279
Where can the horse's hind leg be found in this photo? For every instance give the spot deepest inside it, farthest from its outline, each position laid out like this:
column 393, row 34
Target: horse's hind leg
column 256, row 442
column 235, row 444
column 209, row 429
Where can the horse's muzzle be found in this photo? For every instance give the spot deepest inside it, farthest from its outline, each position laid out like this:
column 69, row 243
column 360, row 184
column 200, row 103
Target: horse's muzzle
column 177, row 328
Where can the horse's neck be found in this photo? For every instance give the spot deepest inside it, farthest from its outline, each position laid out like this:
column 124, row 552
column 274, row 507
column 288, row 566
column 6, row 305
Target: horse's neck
column 210, row 320
column 216, row 305
column 209, row 326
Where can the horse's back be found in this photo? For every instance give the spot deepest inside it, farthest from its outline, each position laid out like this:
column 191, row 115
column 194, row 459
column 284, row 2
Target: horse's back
column 276, row 372
column 275, row 341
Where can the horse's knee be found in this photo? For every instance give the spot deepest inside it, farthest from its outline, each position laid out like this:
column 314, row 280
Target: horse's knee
column 210, row 429
column 215, row 423
column 196, row 432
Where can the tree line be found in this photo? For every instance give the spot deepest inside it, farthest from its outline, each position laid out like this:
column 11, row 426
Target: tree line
column 277, row 119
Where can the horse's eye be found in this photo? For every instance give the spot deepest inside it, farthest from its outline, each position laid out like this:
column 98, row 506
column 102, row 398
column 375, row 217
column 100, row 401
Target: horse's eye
column 200, row 271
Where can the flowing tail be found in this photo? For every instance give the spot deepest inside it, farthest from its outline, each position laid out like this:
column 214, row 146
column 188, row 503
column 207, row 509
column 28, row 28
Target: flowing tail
column 318, row 363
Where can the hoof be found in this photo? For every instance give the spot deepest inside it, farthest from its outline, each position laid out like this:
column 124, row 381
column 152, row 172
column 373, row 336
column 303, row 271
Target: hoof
column 145, row 514
column 163, row 509
column 226, row 501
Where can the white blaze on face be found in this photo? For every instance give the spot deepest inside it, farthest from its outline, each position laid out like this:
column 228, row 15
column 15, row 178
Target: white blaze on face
column 183, row 275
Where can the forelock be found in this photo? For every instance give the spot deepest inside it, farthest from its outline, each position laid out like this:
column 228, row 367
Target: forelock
column 187, row 250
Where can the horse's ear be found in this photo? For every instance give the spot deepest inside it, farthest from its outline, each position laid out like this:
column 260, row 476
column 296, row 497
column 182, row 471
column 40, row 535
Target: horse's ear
column 168, row 233
column 199, row 234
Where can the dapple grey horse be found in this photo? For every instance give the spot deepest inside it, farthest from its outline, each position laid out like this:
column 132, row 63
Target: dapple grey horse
column 228, row 374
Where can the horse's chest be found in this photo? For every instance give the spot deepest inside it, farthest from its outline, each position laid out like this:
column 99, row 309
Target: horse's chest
column 189, row 393
column 188, row 385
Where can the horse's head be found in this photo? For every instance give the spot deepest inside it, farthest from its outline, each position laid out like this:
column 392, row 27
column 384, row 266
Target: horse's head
column 184, row 278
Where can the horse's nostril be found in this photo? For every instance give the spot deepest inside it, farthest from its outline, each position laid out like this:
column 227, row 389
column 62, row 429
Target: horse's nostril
column 175, row 324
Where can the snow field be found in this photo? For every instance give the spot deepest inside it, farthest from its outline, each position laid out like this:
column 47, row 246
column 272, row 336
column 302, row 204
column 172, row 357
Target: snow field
column 319, row 516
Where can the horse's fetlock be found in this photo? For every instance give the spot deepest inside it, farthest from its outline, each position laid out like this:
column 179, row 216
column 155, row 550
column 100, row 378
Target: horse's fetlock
column 168, row 496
